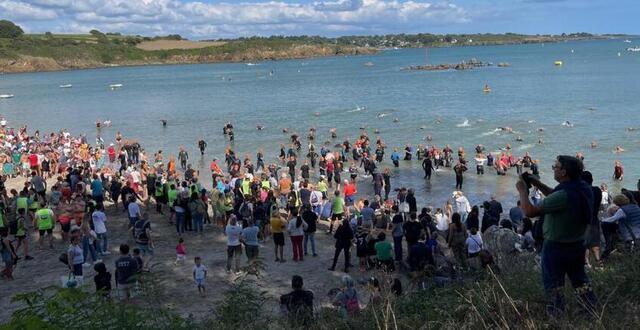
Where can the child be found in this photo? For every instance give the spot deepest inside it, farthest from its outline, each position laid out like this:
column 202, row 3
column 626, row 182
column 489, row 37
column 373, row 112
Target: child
column 9, row 257
column 136, row 255
column 199, row 274
column 102, row 279
column 181, row 251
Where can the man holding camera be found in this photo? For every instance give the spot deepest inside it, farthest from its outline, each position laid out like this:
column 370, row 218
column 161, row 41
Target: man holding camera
column 565, row 212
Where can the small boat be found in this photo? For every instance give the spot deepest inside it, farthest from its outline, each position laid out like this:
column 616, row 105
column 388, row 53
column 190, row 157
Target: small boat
column 627, row 41
column 115, row 86
column 6, row 96
column 368, row 64
column 633, row 49
column 66, row 86
column 557, row 63
column 487, row 90
column 251, row 64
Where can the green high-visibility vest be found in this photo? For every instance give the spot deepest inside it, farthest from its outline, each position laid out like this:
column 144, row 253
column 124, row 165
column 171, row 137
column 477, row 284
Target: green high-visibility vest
column 45, row 220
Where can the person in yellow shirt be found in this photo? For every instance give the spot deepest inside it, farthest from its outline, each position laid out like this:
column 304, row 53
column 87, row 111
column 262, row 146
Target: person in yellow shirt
column 278, row 224
column 45, row 220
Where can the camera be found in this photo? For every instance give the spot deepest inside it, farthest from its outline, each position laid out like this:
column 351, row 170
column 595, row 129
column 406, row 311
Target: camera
column 527, row 178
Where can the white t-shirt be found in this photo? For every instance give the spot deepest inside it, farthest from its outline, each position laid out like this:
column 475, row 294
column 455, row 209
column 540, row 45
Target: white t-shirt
column 200, row 271
column 441, row 222
column 99, row 219
column 233, row 234
column 474, row 243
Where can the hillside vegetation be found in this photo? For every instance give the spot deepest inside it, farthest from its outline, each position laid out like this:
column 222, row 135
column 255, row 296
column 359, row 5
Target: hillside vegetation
column 21, row 52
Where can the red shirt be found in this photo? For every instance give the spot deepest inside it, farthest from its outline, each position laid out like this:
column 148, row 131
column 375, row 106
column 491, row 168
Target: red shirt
column 33, row 160
column 349, row 189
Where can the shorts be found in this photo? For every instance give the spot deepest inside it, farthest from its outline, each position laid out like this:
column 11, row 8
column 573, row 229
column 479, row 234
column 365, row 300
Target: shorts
column 278, row 239
column 200, row 282
column 145, row 249
column 132, row 221
column 48, row 231
column 336, row 216
column 124, row 290
column 251, row 251
column 66, row 227
column 77, row 270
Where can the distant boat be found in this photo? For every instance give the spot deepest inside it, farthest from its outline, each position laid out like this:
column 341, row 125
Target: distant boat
column 627, row 41
column 6, row 96
column 66, row 86
column 115, row 86
column 251, row 64
column 633, row 49
column 557, row 63
column 368, row 64
column 486, row 89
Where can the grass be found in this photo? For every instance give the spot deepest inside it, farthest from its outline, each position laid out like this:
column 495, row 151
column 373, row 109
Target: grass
column 511, row 299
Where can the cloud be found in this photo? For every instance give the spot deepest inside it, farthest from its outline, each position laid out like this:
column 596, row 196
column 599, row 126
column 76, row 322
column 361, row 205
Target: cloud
column 340, row 5
column 18, row 10
column 198, row 19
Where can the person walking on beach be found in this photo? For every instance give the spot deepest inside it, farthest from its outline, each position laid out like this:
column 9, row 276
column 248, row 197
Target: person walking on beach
column 234, row 249
column 296, row 229
column 199, row 275
column 566, row 212
column 343, row 236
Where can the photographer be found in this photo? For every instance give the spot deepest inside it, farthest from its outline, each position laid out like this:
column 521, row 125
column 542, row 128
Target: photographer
column 565, row 212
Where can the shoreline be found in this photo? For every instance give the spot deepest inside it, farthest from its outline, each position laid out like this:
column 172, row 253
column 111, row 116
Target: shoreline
column 34, row 63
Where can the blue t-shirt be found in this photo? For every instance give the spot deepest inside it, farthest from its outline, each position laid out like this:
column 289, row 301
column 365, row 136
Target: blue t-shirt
column 250, row 235
column 96, row 188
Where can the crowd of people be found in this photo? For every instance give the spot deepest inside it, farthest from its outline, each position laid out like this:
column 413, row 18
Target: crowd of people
column 70, row 182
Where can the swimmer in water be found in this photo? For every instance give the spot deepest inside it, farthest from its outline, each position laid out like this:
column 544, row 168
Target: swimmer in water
column 334, row 133
column 540, row 141
column 519, row 139
column 259, row 127
column 428, row 138
column 317, row 114
column 631, row 129
column 395, row 120
column 594, row 144
column 618, row 149
column 164, row 122
column 285, row 130
column 376, row 131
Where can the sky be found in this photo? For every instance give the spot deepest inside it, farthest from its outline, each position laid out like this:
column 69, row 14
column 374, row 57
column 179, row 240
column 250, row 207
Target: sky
column 213, row 19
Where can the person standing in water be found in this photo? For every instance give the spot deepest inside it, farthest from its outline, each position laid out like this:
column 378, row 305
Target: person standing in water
column 202, row 145
column 183, row 156
column 459, row 169
column 427, row 166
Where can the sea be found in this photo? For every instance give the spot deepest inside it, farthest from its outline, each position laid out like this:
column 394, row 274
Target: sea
column 596, row 90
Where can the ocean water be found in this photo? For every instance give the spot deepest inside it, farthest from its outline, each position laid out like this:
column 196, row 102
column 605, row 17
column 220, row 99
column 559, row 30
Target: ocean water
column 595, row 89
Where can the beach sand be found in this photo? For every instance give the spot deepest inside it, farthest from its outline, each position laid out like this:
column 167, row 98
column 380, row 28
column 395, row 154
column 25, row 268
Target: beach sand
column 177, row 287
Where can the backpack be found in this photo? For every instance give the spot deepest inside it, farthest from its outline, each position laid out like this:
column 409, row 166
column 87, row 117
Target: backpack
column 140, row 233
column 352, row 304
column 245, row 211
